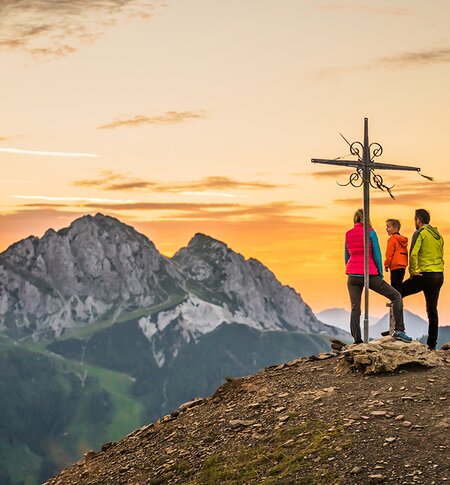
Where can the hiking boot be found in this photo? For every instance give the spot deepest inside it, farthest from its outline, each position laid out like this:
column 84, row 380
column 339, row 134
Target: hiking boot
column 401, row 335
column 359, row 341
column 385, row 333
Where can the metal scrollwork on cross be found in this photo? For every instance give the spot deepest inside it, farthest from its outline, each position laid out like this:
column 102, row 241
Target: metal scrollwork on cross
column 356, row 179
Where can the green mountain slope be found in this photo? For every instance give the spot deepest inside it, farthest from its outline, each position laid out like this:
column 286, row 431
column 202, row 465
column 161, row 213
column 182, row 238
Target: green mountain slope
column 232, row 350
column 53, row 410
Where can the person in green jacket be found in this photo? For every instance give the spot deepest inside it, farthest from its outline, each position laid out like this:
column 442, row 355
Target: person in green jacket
column 426, row 269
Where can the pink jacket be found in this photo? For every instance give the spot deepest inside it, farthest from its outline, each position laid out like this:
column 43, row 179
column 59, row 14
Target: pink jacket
column 354, row 251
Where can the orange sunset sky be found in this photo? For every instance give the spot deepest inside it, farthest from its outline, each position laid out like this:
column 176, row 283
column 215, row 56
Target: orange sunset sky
column 185, row 116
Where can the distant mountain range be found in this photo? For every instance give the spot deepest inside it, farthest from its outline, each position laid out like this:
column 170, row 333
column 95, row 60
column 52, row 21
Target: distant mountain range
column 416, row 326
column 100, row 333
column 339, row 317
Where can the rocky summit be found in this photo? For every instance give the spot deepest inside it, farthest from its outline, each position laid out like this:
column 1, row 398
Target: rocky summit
column 314, row 420
column 387, row 355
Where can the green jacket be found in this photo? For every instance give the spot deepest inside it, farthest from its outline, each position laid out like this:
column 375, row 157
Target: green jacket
column 427, row 251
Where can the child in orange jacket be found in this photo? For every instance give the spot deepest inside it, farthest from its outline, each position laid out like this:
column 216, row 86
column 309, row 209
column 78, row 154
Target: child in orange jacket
column 396, row 253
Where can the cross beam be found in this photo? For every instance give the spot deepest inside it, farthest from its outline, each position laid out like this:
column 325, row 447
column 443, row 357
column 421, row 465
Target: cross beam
column 365, row 165
column 358, row 164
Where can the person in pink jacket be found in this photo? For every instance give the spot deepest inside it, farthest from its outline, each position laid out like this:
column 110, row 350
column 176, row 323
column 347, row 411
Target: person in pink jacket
column 354, row 262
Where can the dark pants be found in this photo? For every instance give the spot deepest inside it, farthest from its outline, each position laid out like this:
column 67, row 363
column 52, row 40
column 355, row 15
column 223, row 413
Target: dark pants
column 355, row 286
column 397, row 276
column 430, row 284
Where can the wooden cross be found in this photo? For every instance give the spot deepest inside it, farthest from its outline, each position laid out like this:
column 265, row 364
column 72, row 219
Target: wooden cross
column 366, row 177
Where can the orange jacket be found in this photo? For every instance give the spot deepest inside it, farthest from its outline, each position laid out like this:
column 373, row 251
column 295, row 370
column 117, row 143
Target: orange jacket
column 396, row 252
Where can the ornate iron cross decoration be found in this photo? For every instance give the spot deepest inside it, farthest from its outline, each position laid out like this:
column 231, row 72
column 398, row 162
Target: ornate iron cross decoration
column 365, row 175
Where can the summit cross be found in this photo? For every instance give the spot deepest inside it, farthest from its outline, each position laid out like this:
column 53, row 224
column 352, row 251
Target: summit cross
column 366, row 177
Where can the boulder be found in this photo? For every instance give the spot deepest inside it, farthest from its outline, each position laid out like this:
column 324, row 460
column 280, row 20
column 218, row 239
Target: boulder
column 386, row 355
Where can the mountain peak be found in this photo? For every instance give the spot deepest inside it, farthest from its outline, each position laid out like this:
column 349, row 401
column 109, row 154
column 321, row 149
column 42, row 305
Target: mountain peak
column 203, row 240
column 99, row 219
column 246, row 290
column 92, row 269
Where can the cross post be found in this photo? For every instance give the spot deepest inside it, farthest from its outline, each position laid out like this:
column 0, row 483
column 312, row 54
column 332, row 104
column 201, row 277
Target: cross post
column 366, row 177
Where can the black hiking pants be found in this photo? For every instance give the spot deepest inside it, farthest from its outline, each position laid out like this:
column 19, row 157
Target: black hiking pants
column 430, row 284
column 355, row 286
column 397, row 276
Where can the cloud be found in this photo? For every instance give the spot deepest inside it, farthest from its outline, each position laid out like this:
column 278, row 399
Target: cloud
column 71, row 199
column 219, row 183
column 168, row 118
column 20, row 151
column 269, row 239
column 112, row 181
column 407, row 194
column 22, row 223
column 418, row 58
column 109, row 180
column 333, row 173
column 285, row 210
column 370, row 9
column 56, row 28
column 402, row 60
column 208, row 194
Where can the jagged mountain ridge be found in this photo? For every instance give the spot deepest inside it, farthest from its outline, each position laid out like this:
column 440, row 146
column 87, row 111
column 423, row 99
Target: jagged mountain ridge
column 208, row 260
column 100, row 269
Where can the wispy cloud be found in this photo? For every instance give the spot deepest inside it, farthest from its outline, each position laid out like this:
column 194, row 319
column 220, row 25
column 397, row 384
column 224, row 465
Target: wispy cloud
column 419, row 58
column 109, row 180
column 333, row 173
column 215, row 185
column 218, row 183
column 56, row 28
column 168, row 118
column 72, row 199
column 208, row 194
column 401, row 60
column 364, row 8
column 409, row 194
column 267, row 238
column 286, row 210
column 20, row 151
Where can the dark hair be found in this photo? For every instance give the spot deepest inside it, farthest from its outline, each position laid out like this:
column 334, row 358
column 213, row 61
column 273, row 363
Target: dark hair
column 395, row 223
column 423, row 215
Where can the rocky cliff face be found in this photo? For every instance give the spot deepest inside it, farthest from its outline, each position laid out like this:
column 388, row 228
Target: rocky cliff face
column 99, row 269
column 247, row 291
column 94, row 269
